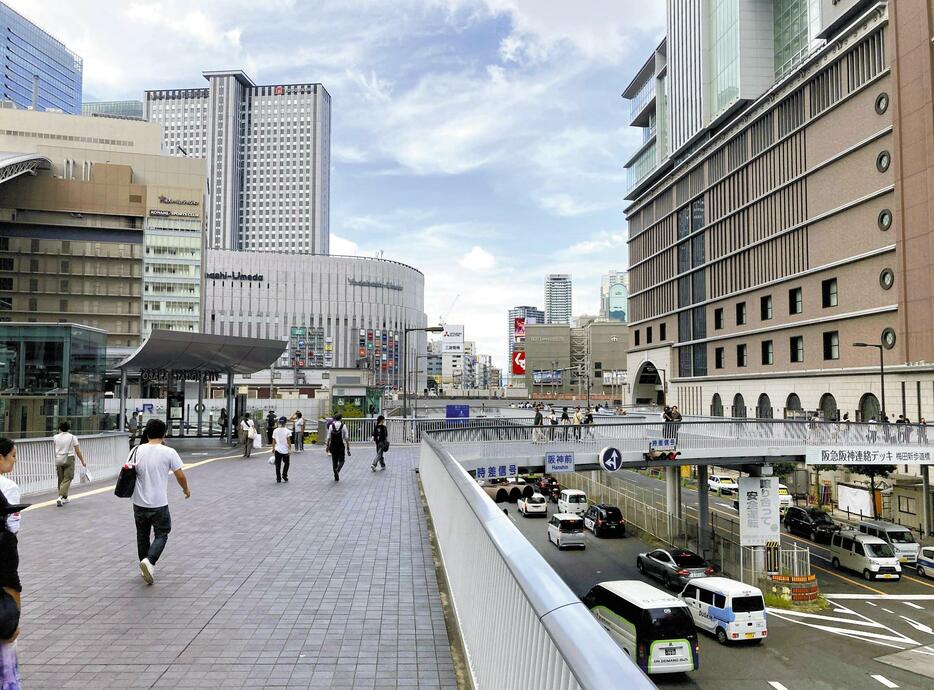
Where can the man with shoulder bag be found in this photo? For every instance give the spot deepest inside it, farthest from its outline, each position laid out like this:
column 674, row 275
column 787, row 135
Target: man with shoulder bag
column 381, row 439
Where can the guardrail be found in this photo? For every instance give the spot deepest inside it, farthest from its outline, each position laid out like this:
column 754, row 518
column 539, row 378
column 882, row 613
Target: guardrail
column 520, row 623
column 410, row 429
column 34, row 471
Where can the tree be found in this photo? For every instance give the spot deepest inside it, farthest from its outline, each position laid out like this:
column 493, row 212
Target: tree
column 872, row 471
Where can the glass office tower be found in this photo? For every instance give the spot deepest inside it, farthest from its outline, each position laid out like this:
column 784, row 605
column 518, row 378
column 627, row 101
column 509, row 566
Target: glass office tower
column 35, row 61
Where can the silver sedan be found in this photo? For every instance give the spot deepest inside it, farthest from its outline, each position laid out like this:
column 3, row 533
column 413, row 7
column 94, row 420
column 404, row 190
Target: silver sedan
column 674, row 567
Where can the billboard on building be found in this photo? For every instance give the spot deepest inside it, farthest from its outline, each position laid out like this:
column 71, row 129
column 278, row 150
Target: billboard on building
column 452, row 340
column 546, row 378
column 518, row 329
column 518, row 363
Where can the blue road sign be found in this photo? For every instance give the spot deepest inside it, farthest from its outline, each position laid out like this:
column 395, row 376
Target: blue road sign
column 457, row 411
column 610, row 459
column 559, row 462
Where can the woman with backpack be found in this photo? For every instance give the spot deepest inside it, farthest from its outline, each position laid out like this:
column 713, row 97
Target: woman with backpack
column 381, row 439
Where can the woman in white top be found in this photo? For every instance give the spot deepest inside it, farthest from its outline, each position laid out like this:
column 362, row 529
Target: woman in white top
column 66, row 448
column 247, row 433
column 299, row 431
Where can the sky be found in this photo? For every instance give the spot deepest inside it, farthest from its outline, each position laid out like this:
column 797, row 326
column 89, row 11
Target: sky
column 480, row 141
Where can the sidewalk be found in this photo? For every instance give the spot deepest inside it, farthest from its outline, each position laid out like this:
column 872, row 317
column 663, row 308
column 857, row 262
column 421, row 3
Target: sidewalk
column 309, row 583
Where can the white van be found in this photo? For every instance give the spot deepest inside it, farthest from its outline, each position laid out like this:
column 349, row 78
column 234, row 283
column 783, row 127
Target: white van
column 902, row 540
column 566, row 529
column 871, row 556
column 731, row 610
column 784, row 498
column 654, row 628
column 572, row 501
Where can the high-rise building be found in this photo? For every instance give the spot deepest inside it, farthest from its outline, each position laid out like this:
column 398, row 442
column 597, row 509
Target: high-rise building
column 132, row 110
column 771, row 262
column 38, row 70
column 267, row 151
column 558, row 298
column 531, row 315
column 614, row 292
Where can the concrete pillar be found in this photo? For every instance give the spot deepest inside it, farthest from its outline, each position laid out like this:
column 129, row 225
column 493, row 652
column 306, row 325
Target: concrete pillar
column 926, row 494
column 200, row 407
column 703, row 512
column 121, row 418
column 672, row 482
column 230, row 415
column 678, row 500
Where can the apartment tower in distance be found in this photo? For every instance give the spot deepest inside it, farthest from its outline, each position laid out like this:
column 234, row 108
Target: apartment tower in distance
column 780, row 211
column 558, row 298
column 39, row 71
column 267, row 151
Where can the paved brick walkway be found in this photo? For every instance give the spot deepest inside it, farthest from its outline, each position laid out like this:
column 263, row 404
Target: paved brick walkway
column 306, row 584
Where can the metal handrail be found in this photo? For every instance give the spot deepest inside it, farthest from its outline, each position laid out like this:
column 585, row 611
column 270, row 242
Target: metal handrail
column 595, row 661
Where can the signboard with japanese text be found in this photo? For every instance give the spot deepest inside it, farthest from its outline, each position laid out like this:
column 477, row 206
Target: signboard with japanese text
column 759, row 515
column 496, row 471
column 867, row 455
column 452, row 340
column 559, row 462
column 663, row 444
column 546, row 378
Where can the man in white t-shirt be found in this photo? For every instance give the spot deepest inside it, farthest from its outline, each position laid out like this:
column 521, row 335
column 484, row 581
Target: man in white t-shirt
column 154, row 461
column 65, row 445
column 282, row 438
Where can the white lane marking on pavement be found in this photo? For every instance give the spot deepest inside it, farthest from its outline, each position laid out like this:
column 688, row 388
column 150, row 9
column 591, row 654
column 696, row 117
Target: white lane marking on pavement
column 888, row 610
column 921, row 627
column 871, row 604
column 908, row 603
column 885, row 681
column 816, row 616
column 857, row 619
column 889, row 597
column 778, row 686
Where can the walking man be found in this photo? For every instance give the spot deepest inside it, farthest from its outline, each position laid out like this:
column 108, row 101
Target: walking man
column 381, row 439
column 133, row 427
column 537, row 435
column 247, row 434
column 338, row 445
column 299, row 432
column 283, row 440
column 154, row 461
column 270, row 425
column 66, row 448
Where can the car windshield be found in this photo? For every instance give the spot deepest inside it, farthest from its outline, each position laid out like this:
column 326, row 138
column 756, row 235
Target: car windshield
column 577, row 499
column 747, row 604
column 880, row 550
column 537, row 499
column 901, row 537
column 613, row 515
column 572, row 526
column 821, row 518
column 687, row 559
column 668, row 623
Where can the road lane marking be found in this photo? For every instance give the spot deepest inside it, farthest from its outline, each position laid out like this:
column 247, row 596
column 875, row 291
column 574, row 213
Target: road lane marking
column 908, row 603
column 920, row 627
column 817, row 616
column 896, row 640
column 914, row 579
column 885, row 681
column 850, row 580
column 888, row 610
column 890, row 597
column 778, row 686
column 871, row 604
column 109, row 487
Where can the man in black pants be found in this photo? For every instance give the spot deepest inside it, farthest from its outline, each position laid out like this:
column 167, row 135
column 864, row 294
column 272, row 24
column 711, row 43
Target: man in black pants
column 338, row 445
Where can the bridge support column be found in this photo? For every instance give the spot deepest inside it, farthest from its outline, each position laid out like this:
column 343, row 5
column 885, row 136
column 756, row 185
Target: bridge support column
column 926, row 494
column 703, row 513
column 672, row 483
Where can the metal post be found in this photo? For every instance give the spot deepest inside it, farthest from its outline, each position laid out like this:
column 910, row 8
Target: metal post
column 703, row 511
column 405, row 373
column 230, row 416
column 200, row 407
column 926, row 495
column 121, row 418
column 882, row 376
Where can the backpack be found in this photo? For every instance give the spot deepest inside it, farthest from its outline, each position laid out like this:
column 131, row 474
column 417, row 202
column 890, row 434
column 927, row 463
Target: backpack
column 337, row 437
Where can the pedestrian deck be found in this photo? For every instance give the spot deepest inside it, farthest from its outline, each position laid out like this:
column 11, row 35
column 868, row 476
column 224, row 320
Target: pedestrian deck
column 309, row 583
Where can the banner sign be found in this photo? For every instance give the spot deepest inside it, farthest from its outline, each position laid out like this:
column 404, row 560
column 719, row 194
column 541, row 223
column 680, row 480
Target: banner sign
column 518, row 329
column 860, row 455
column 496, row 471
column 518, row 363
column 559, row 462
column 759, row 516
column 663, row 444
column 452, row 340
column 546, row 378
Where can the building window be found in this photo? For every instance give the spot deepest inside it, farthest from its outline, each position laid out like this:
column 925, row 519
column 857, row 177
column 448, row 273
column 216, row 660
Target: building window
column 795, row 301
column 33, row 304
column 4, row 244
column 34, row 265
column 740, row 355
column 718, row 319
column 33, row 285
column 648, row 335
column 718, row 358
column 828, row 289
column 767, row 352
column 906, row 504
column 6, row 283
column 797, row 348
column 885, row 219
column 741, row 314
column 6, row 264
column 34, row 246
column 832, row 345
column 637, row 337
column 887, row 278
column 63, row 305
column 662, row 331
column 765, row 307
column 66, row 266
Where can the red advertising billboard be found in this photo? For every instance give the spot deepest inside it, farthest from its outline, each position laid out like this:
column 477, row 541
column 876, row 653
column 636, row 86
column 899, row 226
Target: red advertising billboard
column 518, row 328
column 518, row 364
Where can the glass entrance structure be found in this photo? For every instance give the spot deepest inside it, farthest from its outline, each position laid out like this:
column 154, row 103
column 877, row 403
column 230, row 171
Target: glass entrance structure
column 50, row 373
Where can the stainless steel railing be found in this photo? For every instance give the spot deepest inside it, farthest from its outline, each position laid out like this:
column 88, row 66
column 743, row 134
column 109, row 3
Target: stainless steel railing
column 34, row 471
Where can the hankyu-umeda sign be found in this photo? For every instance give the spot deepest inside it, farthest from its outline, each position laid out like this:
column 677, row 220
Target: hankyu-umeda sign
column 868, row 455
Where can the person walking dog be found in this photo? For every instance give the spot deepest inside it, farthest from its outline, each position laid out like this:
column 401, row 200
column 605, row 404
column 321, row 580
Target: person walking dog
column 381, row 439
column 338, row 445
column 66, row 448
column 154, row 461
column 282, row 438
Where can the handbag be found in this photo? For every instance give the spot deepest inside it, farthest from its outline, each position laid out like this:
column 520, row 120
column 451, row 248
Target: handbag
column 385, row 446
column 272, row 460
column 257, row 440
column 126, row 480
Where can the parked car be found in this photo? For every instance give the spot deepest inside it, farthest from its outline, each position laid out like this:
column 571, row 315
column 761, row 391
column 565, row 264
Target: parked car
column 903, row 542
column 722, row 484
column 675, row 567
column 547, row 484
column 604, row 520
column 566, row 529
column 812, row 523
column 533, row 505
column 871, row 556
column 926, row 562
column 572, row 501
column 731, row 610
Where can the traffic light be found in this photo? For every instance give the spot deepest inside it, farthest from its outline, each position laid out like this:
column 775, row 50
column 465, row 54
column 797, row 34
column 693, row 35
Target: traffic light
column 661, row 455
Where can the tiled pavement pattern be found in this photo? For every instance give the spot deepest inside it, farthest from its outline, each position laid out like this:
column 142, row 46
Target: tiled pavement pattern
column 309, row 583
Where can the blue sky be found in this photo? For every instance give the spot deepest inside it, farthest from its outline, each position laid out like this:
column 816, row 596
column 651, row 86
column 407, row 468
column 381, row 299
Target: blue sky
column 481, row 141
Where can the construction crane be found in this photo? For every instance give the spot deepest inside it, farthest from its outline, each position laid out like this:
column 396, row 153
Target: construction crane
column 444, row 316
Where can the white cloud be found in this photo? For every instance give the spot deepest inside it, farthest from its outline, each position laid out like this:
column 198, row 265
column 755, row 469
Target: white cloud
column 478, row 259
column 343, row 246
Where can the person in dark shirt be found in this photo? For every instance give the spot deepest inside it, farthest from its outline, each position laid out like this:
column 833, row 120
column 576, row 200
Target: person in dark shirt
column 10, row 586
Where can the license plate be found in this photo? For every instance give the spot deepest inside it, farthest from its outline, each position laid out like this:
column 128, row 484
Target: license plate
column 887, row 576
column 750, row 636
column 903, row 559
column 670, row 651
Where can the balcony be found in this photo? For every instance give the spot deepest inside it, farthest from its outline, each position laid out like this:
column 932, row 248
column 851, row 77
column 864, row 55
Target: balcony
column 642, row 105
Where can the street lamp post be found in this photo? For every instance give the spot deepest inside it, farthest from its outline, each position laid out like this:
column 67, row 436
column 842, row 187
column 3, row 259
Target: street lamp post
column 405, row 363
column 881, row 372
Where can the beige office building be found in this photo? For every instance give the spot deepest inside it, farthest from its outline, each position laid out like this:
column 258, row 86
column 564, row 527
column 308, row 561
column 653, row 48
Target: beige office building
column 793, row 222
column 103, row 230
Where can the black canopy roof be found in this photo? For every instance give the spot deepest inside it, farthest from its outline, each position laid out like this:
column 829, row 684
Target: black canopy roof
column 204, row 352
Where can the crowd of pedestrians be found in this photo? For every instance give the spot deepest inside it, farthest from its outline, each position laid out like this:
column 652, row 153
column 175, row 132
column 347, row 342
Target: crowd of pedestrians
column 577, row 424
